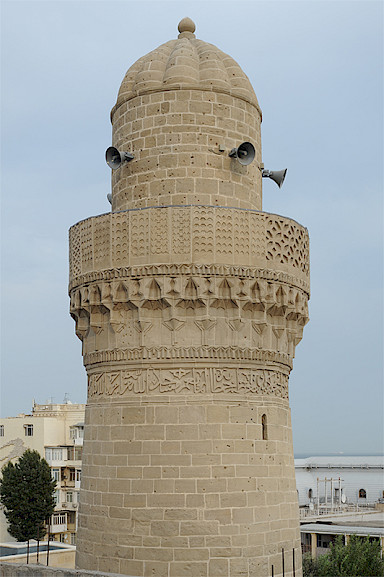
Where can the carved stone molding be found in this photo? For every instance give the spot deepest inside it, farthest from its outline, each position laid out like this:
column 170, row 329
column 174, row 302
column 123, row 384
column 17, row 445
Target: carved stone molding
column 187, row 380
column 218, row 292
column 187, row 353
column 189, row 312
column 172, row 270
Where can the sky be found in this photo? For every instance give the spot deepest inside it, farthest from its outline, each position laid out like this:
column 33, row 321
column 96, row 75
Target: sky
column 317, row 70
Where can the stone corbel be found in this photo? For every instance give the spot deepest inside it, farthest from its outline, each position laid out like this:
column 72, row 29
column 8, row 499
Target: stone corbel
column 174, row 325
column 236, row 325
column 205, row 325
column 142, row 327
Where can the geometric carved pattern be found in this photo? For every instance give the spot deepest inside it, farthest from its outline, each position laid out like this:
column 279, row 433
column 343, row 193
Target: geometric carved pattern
column 205, row 270
column 139, row 233
column 224, row 232
column 188, row 380
column 159, row 232
column 86, row 244
column 241, row 231
column 287, row 243
column 218, row 235
column 74, row 251
column 258, row 235
column 203, row 240
column 101, row 240
column 181, row 232
column 120, row 239
column 202, row 353
column 199, row 317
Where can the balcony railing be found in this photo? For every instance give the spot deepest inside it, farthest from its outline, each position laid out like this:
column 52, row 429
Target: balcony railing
column 336, row 510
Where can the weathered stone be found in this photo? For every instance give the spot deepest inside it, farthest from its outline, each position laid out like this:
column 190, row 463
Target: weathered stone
column 189, row 311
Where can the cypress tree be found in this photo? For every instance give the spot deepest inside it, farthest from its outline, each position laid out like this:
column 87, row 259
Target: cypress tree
column 26, row 492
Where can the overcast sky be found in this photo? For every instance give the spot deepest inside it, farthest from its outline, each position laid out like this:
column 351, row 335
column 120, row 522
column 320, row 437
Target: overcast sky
column 317, row 69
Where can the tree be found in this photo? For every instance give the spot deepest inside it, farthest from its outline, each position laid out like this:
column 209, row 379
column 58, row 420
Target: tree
column 26, row 492
column 361, row 557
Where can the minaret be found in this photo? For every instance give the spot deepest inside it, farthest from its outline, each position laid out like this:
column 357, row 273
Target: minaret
column 189, row 301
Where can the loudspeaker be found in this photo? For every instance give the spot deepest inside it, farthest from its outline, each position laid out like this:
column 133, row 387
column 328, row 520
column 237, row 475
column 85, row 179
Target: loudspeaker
column 245, row 154
column 114, row 158
column 277, row 176
column 109, row 197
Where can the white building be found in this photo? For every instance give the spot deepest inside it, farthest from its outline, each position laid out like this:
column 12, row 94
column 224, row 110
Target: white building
column 56, row 432
column 337, row 481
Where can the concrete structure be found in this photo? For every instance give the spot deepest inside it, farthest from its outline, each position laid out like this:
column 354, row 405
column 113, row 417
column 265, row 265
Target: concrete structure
column 316, row 538
column 59, row 555
column 22, row 570
column 56, row 432
column 189, row 301
column 336, row 482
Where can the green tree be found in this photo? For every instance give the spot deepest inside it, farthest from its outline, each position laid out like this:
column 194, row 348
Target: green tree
column 359, row 558
column 26, row 492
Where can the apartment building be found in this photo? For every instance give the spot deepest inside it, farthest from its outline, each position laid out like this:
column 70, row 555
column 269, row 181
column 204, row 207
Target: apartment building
column 56, row 432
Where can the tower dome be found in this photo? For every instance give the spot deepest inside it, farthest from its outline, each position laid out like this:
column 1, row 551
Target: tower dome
column 186, row 63
column 180, row 110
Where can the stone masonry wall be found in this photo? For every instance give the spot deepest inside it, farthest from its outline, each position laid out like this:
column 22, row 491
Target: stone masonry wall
column 180, row 486
column 30, row 570
column 175, row 136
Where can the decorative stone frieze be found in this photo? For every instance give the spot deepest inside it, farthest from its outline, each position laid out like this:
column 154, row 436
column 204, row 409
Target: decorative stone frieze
column 211, row 235
column 187, row 380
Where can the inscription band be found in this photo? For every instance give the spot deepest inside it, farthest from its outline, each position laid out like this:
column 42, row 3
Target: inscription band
column 188, row 381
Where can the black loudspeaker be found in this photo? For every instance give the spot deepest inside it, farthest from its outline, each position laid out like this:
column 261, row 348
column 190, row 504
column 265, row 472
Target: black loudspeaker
column 245, row 153
column 114, row 158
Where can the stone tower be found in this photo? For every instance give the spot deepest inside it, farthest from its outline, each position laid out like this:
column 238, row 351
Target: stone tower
column 189, row 301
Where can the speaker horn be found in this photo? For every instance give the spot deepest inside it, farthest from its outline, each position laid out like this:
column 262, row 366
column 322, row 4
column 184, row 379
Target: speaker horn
column 277, row 176
column 245, row 153
column 114, row 158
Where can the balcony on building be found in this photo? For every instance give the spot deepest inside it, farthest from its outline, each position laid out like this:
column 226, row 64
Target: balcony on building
column 58, row 523
column 76, row 433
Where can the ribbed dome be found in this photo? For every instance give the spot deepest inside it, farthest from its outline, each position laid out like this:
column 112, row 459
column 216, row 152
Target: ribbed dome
column 186, row 63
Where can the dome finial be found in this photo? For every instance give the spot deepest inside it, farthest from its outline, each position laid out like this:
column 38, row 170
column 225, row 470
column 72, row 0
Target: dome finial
column 186, row 27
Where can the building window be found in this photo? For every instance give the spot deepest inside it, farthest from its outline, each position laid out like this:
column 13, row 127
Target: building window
column 78, row 453
column 69, row 497
column 75, row 453
column 362, row 494
column 56, row 497
column 1, row 430
column 73, row 538
column 73, row 433
column 56, row 474
column 54, row 454
column 71, row 517
column 324, row 541
column 72, row 474
column 264, row 427
column 28, row 430
column 78, row 475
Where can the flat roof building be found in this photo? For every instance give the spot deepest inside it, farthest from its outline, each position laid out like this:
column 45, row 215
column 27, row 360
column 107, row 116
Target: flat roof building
column 56, row 432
